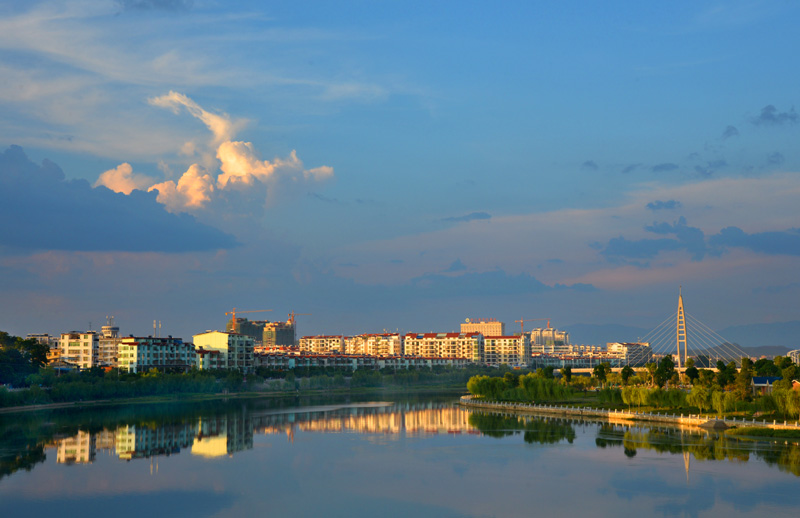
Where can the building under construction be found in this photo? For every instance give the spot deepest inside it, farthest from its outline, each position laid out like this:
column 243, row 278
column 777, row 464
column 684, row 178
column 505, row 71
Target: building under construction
column 264, row 332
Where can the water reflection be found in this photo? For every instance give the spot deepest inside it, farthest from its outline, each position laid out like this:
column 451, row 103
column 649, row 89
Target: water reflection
column 534, row 429
column 219, row 429
column 700, row 445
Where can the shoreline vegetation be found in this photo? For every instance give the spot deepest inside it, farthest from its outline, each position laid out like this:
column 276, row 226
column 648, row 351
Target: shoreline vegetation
column 93, row 387
column 726, row 396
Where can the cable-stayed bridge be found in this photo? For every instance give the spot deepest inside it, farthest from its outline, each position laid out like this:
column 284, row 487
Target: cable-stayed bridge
column 684, row 336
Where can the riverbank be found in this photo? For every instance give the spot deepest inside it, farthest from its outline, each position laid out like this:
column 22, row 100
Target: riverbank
column 621, row 415
column 189, row 397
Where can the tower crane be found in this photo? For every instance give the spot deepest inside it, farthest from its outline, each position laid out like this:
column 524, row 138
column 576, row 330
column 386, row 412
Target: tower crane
column 523, row 320
column 233, row 313
column 293, row 314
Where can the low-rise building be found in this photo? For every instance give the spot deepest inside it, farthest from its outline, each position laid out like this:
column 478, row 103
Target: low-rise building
column 236, row 349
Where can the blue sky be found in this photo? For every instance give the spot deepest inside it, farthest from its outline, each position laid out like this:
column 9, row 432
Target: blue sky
column 397, row 165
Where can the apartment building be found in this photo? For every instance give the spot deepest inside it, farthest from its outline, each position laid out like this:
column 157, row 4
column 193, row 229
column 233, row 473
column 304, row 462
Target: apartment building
column 79, row 349
column 140, row 354
column 445, row 345
column 236, row 349
column 508, row 350
column 322, row 344
column 386, row 344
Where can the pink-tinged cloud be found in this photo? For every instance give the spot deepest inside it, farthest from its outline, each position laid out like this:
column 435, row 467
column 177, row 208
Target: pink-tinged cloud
column 122, row 179
column 241, row 169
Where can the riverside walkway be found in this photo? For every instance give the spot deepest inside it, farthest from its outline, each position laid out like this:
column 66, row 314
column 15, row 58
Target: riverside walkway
column 622, row 415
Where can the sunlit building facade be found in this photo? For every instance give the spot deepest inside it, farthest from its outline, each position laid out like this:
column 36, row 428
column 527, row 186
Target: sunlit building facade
column 236, row 349
column 141, row 354
column 507, row 350
column 80, row 349
column 445, row 345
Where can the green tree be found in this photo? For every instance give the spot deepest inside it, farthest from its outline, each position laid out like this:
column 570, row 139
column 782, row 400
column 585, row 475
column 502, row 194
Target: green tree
column 566, row 373
column 743, row 380
column 626, row 373
column 600, row 371
column 650, row 368
column 698, row 397
column 692, row 373
column 664, row 371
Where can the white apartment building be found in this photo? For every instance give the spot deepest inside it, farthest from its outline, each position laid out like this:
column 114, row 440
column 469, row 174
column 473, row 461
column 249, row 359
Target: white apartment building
column 236, row 349
column 387, row 344
column 140, row 354
column 630, row 353
column 81, row 349
column 508, row 350
column 549, row 341
column 445, row 345
column 322, row 344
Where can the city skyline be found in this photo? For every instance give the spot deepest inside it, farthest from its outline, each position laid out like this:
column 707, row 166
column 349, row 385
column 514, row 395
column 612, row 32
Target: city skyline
column 396, row 166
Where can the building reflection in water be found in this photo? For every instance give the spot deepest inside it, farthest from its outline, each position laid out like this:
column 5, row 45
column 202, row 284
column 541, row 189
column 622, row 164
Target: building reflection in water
column 224, row 435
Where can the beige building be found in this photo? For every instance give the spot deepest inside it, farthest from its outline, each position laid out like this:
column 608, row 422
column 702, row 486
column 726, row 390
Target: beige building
column 236, row 349
column 508, row 350
column 140, row 354
column 484, row 326
column 445, row 345
column 387, row 344
column 322, row 344
column 80, row 349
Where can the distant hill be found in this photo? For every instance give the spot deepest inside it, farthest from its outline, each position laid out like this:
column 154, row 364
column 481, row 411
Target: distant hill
column 784, row 334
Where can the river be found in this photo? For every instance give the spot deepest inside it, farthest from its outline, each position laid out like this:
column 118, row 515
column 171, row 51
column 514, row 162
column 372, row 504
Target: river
column 378, row 455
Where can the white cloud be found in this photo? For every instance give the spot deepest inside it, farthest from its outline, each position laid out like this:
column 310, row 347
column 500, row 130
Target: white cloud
column 122, row 179
column 221, row 125
column 256, row 181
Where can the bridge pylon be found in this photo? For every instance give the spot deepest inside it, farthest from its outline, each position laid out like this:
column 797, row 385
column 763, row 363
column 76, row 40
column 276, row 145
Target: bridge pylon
column 681, row 331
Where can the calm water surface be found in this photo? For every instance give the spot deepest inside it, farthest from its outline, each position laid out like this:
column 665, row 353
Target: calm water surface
column 378, row 457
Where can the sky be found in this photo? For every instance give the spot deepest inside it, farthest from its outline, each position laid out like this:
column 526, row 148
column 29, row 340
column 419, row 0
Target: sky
column 397, row 166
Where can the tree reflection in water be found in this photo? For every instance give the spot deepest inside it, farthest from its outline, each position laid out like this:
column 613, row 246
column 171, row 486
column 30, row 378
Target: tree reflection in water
column 534, row 430
column 702, row 445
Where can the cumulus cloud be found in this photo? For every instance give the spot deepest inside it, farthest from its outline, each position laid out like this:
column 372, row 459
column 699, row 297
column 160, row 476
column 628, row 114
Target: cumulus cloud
column 729, row 132
column 89, row 219
column 193, row 190
column 590, row 165
column 630, row 168
column 770, row 116
column 122, row 179
column 664, row 205
column 665, row 167
column 468, row 217
column 243, row 176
